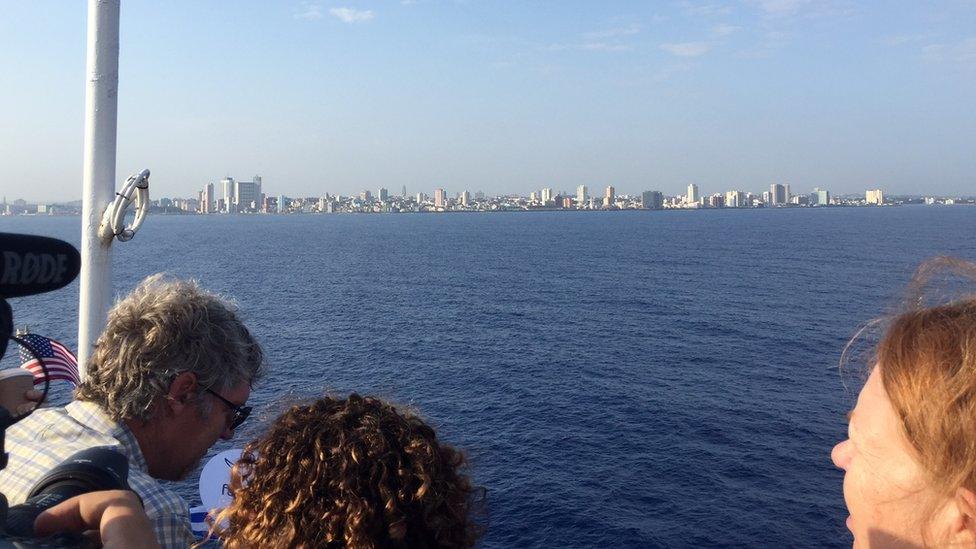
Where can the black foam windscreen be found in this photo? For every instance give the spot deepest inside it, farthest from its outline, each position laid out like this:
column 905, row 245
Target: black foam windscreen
column 35, row 264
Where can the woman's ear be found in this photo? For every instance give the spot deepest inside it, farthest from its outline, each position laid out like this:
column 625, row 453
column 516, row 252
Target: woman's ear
column 964, row 524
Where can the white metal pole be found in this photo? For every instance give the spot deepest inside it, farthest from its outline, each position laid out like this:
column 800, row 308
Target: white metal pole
column 101, row 116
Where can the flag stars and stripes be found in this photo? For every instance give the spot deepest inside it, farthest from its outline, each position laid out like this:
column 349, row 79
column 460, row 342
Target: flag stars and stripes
column 61, row 363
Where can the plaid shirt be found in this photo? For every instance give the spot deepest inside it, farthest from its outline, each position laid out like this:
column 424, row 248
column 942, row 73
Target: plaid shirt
column 49, row 436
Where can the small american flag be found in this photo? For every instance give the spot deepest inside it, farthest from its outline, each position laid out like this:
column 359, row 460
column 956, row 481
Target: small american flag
column 61, row 363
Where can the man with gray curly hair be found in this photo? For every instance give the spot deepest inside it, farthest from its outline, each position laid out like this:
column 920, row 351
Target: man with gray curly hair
column 169, row 376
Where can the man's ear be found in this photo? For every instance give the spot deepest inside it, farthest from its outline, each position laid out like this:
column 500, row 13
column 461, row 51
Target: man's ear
column 182, row 391
column 964, row 526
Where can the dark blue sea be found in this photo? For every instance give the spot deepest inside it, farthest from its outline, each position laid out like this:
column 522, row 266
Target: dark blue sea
column 623, row 379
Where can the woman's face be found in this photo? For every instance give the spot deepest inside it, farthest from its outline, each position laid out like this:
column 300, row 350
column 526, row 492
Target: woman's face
column 883, row 484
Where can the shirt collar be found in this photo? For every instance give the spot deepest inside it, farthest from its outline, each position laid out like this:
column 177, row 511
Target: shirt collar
column 92, row 416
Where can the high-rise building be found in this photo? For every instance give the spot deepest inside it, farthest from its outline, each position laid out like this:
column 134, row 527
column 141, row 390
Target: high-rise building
column 247, row 195
column 874, row 196
column 652, row 200
column 421, row 198
column 786, row 192
column 465, row 198
column 567, row 203
column 404, row 193
column 692, row 197
column 282, row 204
column 366, row 196
column 581, row 194
column 820, row 197
column 383, row 194
column 227, row 186
column 533, row 197
column 440, row 198
column 546, row 196
column 777, row 195
column 207, row 199
column 735, row 199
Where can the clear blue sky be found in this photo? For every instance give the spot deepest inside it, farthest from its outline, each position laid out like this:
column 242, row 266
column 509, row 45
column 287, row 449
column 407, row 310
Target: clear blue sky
column 503, row 96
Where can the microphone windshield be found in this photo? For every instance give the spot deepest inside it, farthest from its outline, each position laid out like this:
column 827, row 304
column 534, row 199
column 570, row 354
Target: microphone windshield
column 35, row 264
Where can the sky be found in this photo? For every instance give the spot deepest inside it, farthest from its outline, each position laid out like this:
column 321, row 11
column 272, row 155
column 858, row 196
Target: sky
column 502, row 96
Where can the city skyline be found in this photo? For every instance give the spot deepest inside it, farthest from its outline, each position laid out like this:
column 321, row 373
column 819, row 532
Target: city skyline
column 506, row 96
column 231, row 196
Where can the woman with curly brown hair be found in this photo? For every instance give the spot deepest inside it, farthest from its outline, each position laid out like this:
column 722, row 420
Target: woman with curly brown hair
column 352, row 472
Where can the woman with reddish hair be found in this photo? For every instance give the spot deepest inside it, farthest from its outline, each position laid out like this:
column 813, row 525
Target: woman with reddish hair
column 350, row 472
column 910, row 457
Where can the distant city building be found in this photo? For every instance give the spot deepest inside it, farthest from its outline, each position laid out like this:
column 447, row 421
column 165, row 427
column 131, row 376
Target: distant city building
column 692, row 197
column 404, row 193
column 652, row 200
column 581, row 194
column 282, row 204
column 820, row 197
column 567, row 203
column 465, row 198
column 227, row 186
column 735, row 199
column 716, row 200
column 383, row 194
column 479, row 195
column 777, row 195
column 546, row 195
column 366, row 196
column 247, row 194
column 421, row 198
column 440, row 198
column 186, row 204
column 207, row 199
column 874, row 196
column 533, row 196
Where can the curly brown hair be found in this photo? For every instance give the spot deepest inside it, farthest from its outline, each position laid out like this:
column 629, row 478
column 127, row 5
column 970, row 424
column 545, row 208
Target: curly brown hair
column 351, row 472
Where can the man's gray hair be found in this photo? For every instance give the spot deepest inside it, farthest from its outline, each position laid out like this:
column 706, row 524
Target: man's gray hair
column 163, row 328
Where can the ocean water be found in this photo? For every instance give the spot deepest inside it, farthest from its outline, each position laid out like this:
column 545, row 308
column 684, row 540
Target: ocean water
column 625, row 379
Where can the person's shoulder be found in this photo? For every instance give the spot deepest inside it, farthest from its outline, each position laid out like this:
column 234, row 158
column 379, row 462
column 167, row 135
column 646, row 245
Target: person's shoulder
column 38, row 420
column 158, row 500
column 63, row 424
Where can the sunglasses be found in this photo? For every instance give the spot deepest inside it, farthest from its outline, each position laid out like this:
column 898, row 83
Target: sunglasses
column 240, row 412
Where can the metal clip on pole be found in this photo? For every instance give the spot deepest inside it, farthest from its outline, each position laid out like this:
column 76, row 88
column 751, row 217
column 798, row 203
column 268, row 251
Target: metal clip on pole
column 113, row 221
